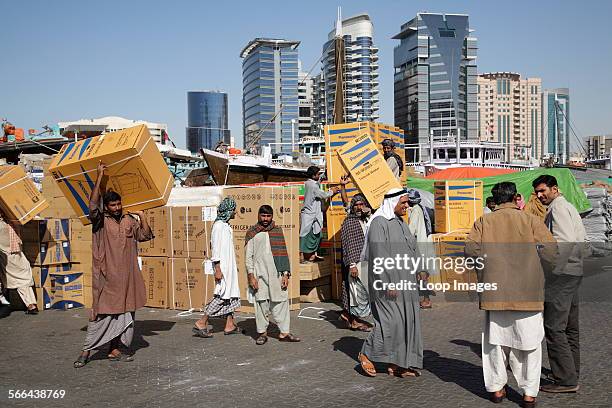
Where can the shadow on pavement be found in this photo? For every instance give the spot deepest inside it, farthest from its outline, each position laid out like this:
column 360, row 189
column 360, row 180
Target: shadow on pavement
column 351, row 346
column 466, row 375
column 474, row 347
column 5, row 311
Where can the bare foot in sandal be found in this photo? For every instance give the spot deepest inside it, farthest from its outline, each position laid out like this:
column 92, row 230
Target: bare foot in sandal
column 402, row 372
column 366, row 365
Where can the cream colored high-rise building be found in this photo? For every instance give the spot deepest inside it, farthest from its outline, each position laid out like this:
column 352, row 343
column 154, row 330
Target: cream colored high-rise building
column 510, row 112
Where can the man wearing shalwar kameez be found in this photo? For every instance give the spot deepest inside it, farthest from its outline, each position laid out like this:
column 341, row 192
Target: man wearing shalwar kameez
column 118, row 288
column 420, row 225
column 311, row 216
column 226, row 297
column 355, row 298
column 514, row 247
column 268, row 272
column 15, row 270
column 396, row 336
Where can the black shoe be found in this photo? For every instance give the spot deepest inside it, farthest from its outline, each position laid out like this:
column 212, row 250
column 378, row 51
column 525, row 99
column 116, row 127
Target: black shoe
column 557, row 388
column 32, row 311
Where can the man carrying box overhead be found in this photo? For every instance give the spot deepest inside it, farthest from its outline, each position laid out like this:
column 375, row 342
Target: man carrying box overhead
column 311, row 218
column 118, row 287
column 15, row 270
column 268, row 269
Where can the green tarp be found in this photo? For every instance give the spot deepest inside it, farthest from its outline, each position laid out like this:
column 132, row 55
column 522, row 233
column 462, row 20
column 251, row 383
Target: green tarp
column 568, row 185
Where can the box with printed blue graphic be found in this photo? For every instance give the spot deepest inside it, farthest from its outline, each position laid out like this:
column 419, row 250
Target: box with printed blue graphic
column 68, row 290
column 368, row 169
column 457, row 204
column 49, row 230
column 47, row 253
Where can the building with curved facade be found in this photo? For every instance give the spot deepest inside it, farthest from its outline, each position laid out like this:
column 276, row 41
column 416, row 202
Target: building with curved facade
column 361, row 94
column 207, row 121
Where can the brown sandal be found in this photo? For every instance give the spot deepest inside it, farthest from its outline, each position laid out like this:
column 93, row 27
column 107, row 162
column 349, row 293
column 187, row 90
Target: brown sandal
column 402, row 372
column 366, row 365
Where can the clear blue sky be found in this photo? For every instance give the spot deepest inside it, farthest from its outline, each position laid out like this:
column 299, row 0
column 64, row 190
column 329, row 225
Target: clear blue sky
column 67, row 60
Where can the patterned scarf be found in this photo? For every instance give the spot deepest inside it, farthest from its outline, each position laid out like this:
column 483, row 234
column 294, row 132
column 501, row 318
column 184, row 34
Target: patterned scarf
column 277, row 243
column 226, row 209
column 15, row 239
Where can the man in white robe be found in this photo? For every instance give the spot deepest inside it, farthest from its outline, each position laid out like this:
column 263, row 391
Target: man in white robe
column 511, row 246
column 226, row 296
column 268, row 270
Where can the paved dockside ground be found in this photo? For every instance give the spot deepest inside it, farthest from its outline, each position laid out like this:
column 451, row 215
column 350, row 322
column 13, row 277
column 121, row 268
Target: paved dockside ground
column 174, row 369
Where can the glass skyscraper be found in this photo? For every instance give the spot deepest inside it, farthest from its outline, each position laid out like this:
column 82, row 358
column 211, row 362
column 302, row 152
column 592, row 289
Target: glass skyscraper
column 361, row 95
column 555, row 121
column 435, row 85
column 269, row 93
column 206, row 120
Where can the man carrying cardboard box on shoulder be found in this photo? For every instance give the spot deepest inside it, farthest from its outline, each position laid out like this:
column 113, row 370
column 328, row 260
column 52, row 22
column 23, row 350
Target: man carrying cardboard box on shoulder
column 15, row 270
column 118, row 287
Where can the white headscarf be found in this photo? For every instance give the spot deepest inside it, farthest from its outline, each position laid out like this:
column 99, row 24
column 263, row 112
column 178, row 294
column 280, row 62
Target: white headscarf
column 387, row 210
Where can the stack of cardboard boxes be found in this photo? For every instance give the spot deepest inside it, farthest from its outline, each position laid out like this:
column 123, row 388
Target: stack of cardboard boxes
column 343, row 137
column 46, row 244
column 175, row 264
column 457, row 204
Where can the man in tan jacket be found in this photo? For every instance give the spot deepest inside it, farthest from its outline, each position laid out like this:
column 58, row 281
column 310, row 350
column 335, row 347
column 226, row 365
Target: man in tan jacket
column 512, row 247
column 561, row 304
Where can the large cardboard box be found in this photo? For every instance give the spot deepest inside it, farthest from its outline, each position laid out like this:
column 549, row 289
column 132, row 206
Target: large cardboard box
column 190, row 228
column 457, row 204
column 20, row 200
column 80, row 232
column 42, row 275
column 44, row 297
column 368, row 169
column 49, row 230
column 190, row 287
column 59, row 207
column 47, row 253
column 159, row 221
column 311, row 271
column 155, row 275
column 80, row 251
column 449, row 248
column 68, row 291
column 316, row 291
column 136, row 170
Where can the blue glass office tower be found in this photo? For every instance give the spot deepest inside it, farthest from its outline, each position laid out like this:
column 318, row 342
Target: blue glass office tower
column 206, row 120
column 555, row 119
column 435, row 83
column 269, row 93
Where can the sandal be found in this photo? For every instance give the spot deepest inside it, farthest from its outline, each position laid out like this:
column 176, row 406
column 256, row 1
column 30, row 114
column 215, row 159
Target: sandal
column 126, row 358
column 81, row 361
column 235, row 330
column 366, row 365
column 290, row 338
column 33, row 311
column 261, row 340
column 402, row 372
column 203, row 333
column 361, row 327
